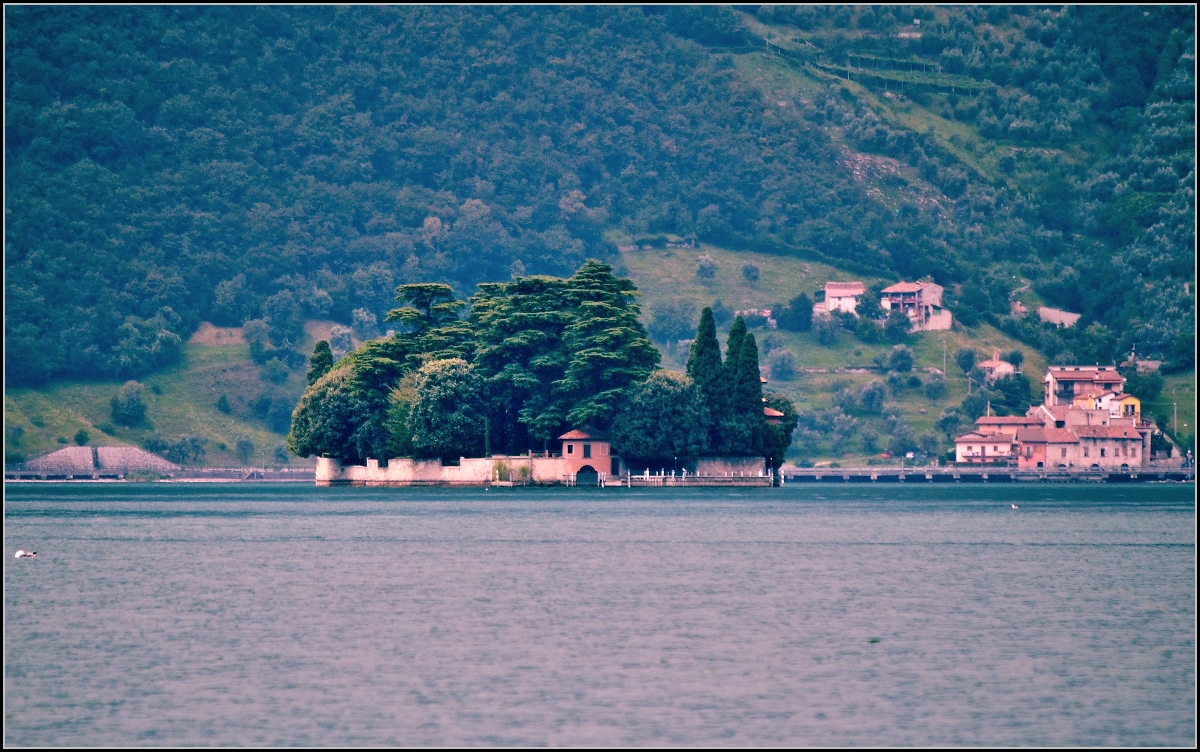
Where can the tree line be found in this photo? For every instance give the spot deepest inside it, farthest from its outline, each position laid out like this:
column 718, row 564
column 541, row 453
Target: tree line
column 533, row 358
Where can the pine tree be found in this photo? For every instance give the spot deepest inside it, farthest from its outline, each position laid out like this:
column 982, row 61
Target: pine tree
column 706, row 372
column 608, row 346
column 733, row 435
column 748, row 396
column 320, row 362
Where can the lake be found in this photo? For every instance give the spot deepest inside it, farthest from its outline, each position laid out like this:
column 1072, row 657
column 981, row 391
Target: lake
column 242, row 614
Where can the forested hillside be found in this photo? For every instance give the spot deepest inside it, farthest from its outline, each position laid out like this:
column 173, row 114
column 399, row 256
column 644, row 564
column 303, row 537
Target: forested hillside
column 166, row 166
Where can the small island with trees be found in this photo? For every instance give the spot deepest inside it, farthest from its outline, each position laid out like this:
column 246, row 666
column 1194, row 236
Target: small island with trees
column 538, row 360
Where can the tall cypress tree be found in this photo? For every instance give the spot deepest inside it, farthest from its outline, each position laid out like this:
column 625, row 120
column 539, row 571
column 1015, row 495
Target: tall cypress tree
column 732, row 430
column 705, row 370
column 320, row 362
column 748, row 396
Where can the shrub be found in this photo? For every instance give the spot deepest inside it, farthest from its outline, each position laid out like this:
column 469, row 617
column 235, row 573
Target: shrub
column 867, row 330
column 62, row 440
column 274, row 371
column 782, row 364
column 914, row 382
column 81, row 437
column 721, row 314
column 895, row 383
column 895, row 329
column 965, row 359
column 750, row 272
column 872, row 395
column 281, row 454
column 935, row 386
column 825, row 329
column 706, row 268
column 902, row 441
column 223, row 404
column 155, row 443
column 901, row 359
column 244, row 448
column 129, row 406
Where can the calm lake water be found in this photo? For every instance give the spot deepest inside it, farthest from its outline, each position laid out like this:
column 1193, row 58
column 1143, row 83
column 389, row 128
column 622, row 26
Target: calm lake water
column 280, row 615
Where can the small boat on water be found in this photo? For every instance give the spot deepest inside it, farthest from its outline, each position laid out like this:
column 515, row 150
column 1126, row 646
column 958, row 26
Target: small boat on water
column 22, row 554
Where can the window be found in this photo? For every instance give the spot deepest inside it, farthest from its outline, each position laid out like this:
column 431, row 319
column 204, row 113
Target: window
column 970, row 448
column 1028, row 452
column 1086, row 451
column 587, row 451
column 1102, row 451
column 996, row 449
column 1064, row 452
column 570, row 449
column 1133, row 452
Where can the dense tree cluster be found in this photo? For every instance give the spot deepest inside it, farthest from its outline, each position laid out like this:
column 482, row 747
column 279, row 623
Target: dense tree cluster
column 170, row 165
column 1092, row 108
column 536, row 356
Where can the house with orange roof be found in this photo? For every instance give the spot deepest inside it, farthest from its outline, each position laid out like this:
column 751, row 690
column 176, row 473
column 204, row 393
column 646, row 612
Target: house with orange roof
column 921, row 302
column 586, row 450
column 994, row 368
column 1077, row 385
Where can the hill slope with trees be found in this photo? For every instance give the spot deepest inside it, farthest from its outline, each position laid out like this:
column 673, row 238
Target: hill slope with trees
column 167, row 166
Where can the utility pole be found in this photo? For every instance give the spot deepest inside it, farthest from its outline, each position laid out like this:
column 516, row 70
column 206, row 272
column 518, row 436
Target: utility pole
column 1176, row 406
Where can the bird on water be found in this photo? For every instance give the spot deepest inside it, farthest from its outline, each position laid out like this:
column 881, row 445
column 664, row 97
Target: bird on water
column 1014, row 506
column 26, row 554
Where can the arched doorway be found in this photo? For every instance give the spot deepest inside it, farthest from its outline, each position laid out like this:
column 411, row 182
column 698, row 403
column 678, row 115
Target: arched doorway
column 587, row 476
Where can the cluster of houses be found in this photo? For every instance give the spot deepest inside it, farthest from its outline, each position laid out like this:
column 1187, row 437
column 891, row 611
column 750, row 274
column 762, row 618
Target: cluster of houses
column 920, row 301
column 1086, row 420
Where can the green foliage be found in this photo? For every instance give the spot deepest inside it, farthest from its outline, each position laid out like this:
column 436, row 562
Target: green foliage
column 223, row 404
column 782, row 364
column 274, row 371
column 825, row 329
column 661, row 419
column 321, row 362
column 706, row 372
column 81, row 437
column 965, row 359
column 935, row 386
column 1011, row 394
column 129, row 405
column 895, row 329
column 872, row 395
column 796, row 316
column 1145, row 385
column 244, row 448
column 150, row 192
column 446, row 416
column 608, row 346
column 398, row 424
column 901, row 359
column 777, row 437
column 340, row 416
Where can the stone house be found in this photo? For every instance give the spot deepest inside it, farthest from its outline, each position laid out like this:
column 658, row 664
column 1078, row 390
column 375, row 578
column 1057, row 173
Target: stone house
column 840, row 296
column 1074, row 386
column 921, row 302
column 995, row 369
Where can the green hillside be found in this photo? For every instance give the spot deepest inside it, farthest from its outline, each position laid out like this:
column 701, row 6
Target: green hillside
column 180, row 401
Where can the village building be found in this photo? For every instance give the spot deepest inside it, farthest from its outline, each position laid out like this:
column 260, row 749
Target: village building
column 1074, row 386
column 921, row 302
column 995, row 369
column 1008, row 424
column 1109, row 446
column 982, row 447
column 840, row 296
column 773, row 416
column 1040, row 448
column 588, row 452
column 1086, row 421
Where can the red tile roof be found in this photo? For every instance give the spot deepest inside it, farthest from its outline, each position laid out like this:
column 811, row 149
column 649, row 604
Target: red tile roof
column 1107, row 432
column 585, row 433
column 903, row 287
column 771, row 412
